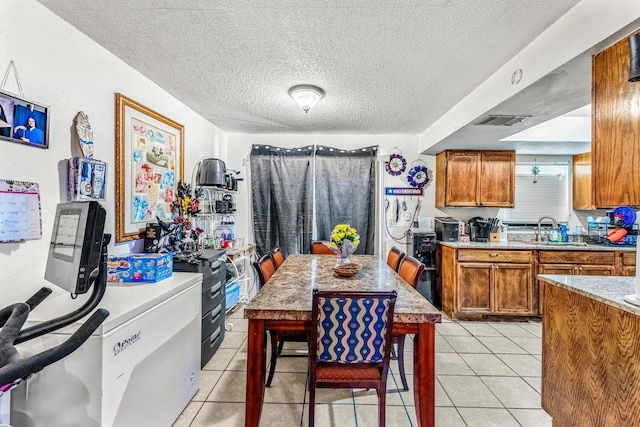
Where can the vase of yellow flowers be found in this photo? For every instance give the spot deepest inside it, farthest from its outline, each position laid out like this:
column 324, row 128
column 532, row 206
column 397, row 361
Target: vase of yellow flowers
column 344, row 242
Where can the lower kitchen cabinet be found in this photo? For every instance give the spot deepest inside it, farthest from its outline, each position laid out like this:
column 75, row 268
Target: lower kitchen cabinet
column 628, row 264
column 487, row 282
column 583, row 263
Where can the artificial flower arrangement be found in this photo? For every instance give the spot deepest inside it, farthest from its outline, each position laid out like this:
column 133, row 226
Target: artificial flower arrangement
column 344, row 240
column 187, row 204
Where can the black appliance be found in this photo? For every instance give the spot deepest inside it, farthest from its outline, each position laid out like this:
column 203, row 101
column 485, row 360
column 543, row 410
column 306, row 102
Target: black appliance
column 479, row 229
column 212, row 172
column 212, row 264
column 425, row 250
column 447, row 229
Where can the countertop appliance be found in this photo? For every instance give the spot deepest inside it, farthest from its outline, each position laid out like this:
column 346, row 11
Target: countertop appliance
column 212, row 172
column 447, row 229
column 141, row 367
column 479, row 229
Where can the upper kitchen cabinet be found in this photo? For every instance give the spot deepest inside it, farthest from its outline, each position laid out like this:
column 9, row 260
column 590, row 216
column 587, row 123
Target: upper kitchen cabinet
column 475, row 178
column 616, row 129
column 582, row 182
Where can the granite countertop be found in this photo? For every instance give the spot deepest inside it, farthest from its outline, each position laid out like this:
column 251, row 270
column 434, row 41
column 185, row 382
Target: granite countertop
column 609, row 290
column 287, row 294
column 514, row 245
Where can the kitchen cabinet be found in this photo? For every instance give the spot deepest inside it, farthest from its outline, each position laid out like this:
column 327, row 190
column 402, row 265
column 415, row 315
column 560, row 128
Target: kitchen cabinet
column 487, row 282
column 582, row 197
column 475, row 178
column 627, row 264
column 574, row 263
column 615, row 143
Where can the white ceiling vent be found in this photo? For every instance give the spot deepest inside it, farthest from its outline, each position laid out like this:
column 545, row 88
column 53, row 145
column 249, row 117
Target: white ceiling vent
column 496, row 120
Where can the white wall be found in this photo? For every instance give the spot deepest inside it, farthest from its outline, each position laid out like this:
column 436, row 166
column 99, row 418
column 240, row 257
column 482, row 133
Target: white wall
column 240, row 147
column 60, row 67
column 582, row 28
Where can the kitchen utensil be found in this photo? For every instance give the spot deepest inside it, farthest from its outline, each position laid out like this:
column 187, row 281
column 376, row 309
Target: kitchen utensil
column 626, row 214
column 617, row 235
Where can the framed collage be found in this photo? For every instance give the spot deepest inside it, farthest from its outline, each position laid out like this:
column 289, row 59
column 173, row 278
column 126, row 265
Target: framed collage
column 149, row 164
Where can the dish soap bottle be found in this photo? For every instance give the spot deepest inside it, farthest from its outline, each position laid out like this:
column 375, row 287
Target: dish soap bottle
column 563, row 236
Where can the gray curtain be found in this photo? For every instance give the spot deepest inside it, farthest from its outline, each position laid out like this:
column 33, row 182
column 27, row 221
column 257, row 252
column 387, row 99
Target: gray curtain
column 345, row 192
column 281, row 187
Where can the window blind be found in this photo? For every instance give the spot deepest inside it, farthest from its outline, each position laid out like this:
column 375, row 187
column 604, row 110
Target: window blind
column 547, row 197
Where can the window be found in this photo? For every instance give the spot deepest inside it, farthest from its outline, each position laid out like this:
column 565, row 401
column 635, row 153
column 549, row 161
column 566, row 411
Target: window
column 549, row 196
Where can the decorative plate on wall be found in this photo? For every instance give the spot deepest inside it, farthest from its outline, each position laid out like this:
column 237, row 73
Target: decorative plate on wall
column 418, row 176
column 397, row 163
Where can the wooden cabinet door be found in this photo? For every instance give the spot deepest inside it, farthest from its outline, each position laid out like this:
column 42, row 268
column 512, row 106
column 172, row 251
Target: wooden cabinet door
column 628, row 271
column 512, row 288
column 462, row 178
column 497, row 179
column 582, row 196
column 568, row 269
column 615, row 147
column 474, row 288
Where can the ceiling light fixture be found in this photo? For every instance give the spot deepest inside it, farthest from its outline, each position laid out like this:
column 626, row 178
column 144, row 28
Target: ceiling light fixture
column 306, row 96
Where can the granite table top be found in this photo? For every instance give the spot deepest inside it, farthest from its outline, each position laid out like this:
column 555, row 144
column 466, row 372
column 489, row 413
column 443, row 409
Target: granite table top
column 287, row 294
column 543, row 246
column 608, row 290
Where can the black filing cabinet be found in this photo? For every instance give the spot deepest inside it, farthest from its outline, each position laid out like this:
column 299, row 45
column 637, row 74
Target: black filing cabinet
column 212, row 265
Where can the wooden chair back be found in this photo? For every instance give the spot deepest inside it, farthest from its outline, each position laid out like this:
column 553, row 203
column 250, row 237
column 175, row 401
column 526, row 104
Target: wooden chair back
column 410, row 270
column 264, row 268
column 394, row 258
column 277, row 256
column 320, row 247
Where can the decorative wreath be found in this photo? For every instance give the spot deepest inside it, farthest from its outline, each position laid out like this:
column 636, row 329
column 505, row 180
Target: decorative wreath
column 418, row 176
column 397, row 164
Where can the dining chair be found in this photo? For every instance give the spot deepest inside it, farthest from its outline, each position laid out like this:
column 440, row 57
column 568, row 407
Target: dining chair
column 395, row 257
column 321, row 247
column 277, row 256
column 265, row 267
column 410, row 270
column 350, row 343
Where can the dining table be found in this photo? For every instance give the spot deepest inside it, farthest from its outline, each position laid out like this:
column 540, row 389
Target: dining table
column 284, row 303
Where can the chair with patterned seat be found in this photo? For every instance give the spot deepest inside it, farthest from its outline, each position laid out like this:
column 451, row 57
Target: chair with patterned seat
column 410, row 270
column 395, row 257
column 350, row 343
column 321, row 247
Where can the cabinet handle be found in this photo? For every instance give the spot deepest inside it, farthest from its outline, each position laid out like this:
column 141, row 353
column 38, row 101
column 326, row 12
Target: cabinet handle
column 493, row 254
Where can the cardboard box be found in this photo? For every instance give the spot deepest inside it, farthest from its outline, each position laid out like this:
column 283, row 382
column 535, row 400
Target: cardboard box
column 139, row 267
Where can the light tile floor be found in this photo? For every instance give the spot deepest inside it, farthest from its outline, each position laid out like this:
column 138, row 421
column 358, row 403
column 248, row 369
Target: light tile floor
column 488, row 374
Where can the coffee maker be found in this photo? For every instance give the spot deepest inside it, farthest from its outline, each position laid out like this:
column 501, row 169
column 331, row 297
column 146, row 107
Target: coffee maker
column 479, row 229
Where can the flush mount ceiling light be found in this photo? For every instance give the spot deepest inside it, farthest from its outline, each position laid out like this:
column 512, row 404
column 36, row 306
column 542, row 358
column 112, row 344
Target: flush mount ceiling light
column 306, row 96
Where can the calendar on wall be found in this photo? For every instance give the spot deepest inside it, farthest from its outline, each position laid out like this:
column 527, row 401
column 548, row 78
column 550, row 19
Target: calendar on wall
column 20, row 217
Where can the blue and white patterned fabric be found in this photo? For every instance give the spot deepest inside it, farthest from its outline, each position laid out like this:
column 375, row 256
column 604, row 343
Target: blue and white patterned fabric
column 352, row 330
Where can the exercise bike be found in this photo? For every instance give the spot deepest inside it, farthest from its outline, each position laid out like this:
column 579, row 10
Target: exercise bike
column 76, row 262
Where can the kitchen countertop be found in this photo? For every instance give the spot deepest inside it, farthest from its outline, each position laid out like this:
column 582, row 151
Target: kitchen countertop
column 609, row 290
column 537, row 246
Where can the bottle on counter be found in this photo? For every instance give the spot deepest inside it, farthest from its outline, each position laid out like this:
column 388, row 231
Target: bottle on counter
column 563, row 233
column 553, row 235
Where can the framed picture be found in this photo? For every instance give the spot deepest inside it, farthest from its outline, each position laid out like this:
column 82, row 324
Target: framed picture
column 23, row 121
column 149, row 164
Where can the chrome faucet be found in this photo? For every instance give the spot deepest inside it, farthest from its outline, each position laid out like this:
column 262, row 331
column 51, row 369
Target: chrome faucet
column 555, row 225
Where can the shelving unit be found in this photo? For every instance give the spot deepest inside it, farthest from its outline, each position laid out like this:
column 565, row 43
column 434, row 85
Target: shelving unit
column 239, row 264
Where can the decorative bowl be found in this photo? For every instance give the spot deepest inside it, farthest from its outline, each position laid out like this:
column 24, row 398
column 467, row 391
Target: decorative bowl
column 348, row 269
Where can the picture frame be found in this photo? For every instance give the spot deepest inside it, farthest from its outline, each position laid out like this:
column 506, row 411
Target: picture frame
column 23, row 121
column 149, row 156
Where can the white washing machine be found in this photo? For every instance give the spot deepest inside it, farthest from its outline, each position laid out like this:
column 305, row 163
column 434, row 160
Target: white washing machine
column 140, row 368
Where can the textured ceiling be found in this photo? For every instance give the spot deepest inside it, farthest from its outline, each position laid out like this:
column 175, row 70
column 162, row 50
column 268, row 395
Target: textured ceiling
column 387, row 67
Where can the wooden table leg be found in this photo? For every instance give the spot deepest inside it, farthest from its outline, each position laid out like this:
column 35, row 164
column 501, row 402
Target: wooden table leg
column 424, row 377
column 256, row 372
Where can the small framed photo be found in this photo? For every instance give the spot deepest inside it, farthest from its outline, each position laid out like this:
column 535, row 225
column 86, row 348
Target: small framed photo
column 23, row 121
